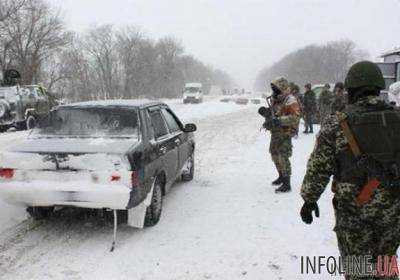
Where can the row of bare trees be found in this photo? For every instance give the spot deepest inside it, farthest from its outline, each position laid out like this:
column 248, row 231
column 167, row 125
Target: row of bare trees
column 314, row 64
column 104, row 62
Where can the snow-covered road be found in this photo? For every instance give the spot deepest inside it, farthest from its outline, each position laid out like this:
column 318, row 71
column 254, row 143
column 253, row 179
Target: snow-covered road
column 226, row 224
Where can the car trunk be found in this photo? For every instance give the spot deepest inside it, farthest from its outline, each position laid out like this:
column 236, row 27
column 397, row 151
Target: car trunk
column 90, row 173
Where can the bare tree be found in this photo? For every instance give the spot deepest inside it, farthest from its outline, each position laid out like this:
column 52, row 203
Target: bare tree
column 100, row 45
column 32, row 35
column 315, row 64
column 9, row 8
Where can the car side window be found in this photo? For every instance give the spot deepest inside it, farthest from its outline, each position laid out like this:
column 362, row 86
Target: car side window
column 158, row 123
column 149, row 127
column 171, row 121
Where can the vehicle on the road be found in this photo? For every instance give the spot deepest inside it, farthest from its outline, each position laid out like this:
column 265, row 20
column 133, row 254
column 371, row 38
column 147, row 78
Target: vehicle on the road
column 107, row 155
column 255, row 101
column 225, row 99
column 21, row 107
column 317, row 89
column 242, row 100
column 193, row 93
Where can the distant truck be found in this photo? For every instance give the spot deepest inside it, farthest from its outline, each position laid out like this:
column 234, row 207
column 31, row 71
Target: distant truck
column 22, row 106
column 193, row 93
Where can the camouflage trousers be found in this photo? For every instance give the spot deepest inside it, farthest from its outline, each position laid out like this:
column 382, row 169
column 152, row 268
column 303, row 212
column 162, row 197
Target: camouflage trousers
column 364, row 241
column 281, row 150
column 308, row 122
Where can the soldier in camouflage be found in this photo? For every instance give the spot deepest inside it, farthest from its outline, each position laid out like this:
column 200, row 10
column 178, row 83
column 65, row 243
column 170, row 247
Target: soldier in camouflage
column 295, row 91
column 339, row 99
column 324, row 103
column 285, row 124
column 371, row 229
column 310, row 107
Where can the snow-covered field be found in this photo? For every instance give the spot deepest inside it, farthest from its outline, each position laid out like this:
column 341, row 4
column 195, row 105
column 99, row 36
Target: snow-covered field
column 226, row 224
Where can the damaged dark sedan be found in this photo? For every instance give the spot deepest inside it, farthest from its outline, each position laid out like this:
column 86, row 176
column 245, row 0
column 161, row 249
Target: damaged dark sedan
column 119, row 155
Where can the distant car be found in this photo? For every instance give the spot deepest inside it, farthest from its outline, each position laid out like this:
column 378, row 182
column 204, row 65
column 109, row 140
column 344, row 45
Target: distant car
column 119, row 155
column 225, row 99
column 317, row 89
column 21, row 107
column 193, row 93
column 255, row 101
column 242, row 101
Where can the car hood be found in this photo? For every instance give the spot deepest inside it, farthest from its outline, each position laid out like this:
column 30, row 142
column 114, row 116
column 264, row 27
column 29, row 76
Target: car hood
column 75, row 145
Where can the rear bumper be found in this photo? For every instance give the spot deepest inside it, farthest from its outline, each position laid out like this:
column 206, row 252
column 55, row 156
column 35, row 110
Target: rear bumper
column 84, row 195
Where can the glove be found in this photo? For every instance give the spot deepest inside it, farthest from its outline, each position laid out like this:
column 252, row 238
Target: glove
column 306, row 212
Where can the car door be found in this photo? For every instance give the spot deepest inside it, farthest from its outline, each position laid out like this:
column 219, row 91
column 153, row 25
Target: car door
column 180, row 138
column 164, row 144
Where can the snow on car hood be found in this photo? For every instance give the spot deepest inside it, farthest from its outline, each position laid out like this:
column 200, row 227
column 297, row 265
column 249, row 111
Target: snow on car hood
column 75, row 145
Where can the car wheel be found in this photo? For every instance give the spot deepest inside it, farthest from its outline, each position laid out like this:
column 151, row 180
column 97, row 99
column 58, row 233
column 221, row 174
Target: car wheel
column 30, row 122
column 40, row 213
column 188, row 169
column 153, row 211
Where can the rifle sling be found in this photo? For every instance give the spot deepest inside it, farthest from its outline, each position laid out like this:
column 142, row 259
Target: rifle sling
column 368, row 190
column 350, row 137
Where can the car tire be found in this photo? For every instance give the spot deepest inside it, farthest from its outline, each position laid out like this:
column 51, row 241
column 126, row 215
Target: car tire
column 188, row 172
column 153, row 211
column 40, row 213
column 30, row 122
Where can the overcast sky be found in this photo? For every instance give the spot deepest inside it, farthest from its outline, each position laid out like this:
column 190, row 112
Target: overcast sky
column 242, row 36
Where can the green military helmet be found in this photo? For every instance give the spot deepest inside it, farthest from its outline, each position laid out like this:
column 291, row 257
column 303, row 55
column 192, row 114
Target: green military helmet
column 294, row 86
column 364, row 74
column 281, row 83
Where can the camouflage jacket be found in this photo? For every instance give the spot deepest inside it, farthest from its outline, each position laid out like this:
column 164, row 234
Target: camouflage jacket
column 309, row 102
column 325, row 99
column 339, row 103
column 287, row 110
column 332, row 157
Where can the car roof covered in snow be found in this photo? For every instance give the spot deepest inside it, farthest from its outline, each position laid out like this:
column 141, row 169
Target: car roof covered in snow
column 123, row 103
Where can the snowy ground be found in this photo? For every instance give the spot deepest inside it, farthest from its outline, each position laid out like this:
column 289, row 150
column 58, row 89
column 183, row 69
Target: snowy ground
column 226, row 224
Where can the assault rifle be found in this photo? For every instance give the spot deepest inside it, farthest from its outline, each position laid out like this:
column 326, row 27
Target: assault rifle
column 377, row 172
column 268, row 113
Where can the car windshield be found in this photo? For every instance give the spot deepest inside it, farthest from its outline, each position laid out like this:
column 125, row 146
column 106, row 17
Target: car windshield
column 89, row 122
column 192, row 89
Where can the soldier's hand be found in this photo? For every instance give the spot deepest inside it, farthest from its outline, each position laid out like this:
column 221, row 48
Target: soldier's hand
column 276, row 122
column 307, row 210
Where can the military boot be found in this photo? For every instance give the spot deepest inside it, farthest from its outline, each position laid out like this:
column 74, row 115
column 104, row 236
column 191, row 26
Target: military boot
column 278, row 181
column 285, row 186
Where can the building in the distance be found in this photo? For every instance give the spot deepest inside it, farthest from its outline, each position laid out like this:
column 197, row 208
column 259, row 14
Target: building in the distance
column 391, row 66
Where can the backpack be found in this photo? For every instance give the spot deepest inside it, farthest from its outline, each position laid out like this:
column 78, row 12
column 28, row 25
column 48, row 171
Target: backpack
column 377, row 133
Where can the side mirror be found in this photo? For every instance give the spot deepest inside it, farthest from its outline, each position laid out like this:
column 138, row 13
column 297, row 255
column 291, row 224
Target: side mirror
column 190, row 127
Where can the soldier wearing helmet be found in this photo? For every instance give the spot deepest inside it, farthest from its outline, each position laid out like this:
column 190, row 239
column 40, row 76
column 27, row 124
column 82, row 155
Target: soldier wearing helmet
column 324, row 103
column 366, row 193
column 283, row 128
column 310, row 107
column 339, row 98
